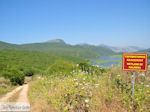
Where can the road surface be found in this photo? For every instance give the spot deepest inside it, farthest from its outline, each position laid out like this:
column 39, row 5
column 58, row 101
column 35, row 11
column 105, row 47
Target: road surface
column 20, row 101
column 23, row 95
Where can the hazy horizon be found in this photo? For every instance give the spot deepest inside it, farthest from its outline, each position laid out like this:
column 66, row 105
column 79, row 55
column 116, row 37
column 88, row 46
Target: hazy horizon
column 76, row 43
column 108, row 22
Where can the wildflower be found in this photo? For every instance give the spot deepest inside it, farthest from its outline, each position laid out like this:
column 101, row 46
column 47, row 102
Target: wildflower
column 84, row 82
column 80, row 84
column 96, row 85
column 147, row 86
column 86, row 100
column 76, row 83
column 87, row 105
column 82, row 88
column 39, row 77
column 75, row 79
column 142, row 83
column 118, row 75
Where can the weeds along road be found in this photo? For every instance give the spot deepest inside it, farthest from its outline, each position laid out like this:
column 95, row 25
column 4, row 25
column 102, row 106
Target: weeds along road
column 22, row 96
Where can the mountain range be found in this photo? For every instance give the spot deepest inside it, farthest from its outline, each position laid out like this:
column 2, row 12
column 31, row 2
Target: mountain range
column 59, row 46
column 124, row 48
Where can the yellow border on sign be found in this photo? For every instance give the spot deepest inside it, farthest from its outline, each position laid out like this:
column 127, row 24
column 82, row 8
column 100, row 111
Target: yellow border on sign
column 146, row 66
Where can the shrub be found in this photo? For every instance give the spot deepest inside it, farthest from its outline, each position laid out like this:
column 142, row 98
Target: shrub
column 28, row 72
column 15, row 76
column 61, row 67
column 4, row 82
column 90, row 69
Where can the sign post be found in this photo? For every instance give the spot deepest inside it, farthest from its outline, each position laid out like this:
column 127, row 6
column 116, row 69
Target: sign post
column 133, row 82
column 134, row 62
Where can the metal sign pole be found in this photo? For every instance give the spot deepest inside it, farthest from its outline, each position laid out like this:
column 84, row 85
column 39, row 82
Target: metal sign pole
column 133, row 83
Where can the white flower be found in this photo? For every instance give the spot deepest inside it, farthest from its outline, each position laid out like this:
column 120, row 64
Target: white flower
column 147, row 86
column 76, row 83
column 118, row 75
column 96, row 85
column 82, row 88
column 75, row 79
column 86, row 100
column 80, row 84
column 142, row 83
column 39, row 77
column 87, row 105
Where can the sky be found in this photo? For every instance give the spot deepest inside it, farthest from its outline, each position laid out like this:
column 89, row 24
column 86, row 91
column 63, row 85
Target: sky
column 110, row 22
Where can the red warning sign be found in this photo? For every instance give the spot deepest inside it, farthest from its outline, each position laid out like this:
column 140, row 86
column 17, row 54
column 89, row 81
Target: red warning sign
column 135, row 61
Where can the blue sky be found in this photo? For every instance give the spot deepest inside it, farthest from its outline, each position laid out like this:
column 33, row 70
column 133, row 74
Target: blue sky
column 110, row 22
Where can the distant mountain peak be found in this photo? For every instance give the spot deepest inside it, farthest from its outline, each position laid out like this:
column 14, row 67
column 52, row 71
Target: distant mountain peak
column 123, row 48
column 85, row 44
column 56, row 41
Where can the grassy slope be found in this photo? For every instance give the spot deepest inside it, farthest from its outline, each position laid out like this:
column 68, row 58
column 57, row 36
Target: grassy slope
column 40, row 55
column 30, row 59
column 107, row 92
column 84, row 51
column 27, row 60
column 59, row 48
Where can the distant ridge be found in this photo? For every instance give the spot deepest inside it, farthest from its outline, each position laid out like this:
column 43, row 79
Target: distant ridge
column 5, row 45
column 56, row 41
column 146, row 50
column 123, row 49
column 60, row 46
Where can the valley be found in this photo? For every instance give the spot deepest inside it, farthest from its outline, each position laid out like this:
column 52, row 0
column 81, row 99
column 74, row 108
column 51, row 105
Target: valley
column 57, row 77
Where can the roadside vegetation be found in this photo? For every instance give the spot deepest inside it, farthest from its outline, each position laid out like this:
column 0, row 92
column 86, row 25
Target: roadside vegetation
column 16, row 65
column 89, row 90
column 5, row 86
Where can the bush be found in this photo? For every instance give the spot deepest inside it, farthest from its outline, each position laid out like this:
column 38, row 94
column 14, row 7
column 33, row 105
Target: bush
column 60, row 67
column 29, row 72
column 4, row 82
column 15, row 76
column 90, row 69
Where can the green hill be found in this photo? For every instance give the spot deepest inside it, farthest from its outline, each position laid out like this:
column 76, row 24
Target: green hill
column 59, row 47
column 76, row 50
column 4, row 45
column 27, row 59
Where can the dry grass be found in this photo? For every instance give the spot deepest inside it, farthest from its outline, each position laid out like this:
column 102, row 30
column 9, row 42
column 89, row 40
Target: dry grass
column 70, row 93
column 5, row 86
column 38, row 101
column 41, row 105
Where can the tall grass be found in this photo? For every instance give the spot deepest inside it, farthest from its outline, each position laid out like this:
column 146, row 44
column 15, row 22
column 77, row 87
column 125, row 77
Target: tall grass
column 81, row 92
column 5, row 86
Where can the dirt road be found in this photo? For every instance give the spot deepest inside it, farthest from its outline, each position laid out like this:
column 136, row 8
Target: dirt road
column 20, row 102
column 22, row 97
